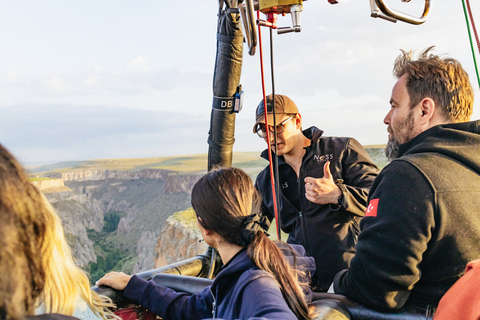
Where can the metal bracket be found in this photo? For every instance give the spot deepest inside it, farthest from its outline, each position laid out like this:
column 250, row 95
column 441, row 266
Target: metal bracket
column 249, row 25
column 392, row 15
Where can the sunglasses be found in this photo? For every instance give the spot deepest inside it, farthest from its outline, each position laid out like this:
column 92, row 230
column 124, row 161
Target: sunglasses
column 262, row 130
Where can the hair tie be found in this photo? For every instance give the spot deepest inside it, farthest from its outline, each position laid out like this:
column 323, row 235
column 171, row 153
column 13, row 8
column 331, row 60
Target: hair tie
column 251, row 225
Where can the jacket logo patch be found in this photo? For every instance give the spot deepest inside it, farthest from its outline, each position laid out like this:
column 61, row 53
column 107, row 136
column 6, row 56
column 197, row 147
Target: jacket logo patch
column 372, row 208
column 323, row 158
column 285, row 185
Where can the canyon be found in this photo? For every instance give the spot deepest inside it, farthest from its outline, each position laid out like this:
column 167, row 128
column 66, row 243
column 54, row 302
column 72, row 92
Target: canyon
column 133, row 215
column 138, row 202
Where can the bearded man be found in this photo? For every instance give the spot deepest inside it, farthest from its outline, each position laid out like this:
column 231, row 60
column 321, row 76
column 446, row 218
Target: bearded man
column 422, row 223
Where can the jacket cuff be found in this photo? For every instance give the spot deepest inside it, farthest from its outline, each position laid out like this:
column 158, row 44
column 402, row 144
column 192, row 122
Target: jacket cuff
column 134, row 288
column 337, row 280
column 342, row 201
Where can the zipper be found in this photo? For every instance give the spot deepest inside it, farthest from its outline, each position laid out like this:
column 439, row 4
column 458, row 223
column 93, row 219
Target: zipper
column 300, row 214
column 213, row 303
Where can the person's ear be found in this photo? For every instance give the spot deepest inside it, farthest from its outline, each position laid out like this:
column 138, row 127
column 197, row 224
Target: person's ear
column 203, row 230
column 427, row 109
column 200, row 223
column 298, row 121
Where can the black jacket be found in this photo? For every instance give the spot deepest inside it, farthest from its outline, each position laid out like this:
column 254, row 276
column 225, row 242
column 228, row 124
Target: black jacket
column 328, row 232
column 423, row 222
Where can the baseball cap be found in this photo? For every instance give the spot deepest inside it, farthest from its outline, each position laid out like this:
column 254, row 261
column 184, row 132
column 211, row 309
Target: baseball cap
column 283, row 105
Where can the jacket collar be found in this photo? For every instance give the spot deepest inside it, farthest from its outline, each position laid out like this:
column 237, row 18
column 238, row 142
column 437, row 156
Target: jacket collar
column 312, row 133
column 458, row 141
column 233, row 269
column 441, row 133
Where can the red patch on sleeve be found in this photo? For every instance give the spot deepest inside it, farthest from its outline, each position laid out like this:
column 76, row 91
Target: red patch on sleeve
column 372, row 208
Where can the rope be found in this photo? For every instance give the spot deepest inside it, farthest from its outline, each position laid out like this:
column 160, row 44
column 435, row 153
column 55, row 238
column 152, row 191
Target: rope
column 473, row 23
column 272, row 177
column 470, row 35
column 277, row 175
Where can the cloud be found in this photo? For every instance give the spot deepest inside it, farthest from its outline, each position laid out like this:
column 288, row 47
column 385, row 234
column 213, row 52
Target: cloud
column 140, row 64
column 137, row 81
column 121, row 85
column 81, row 130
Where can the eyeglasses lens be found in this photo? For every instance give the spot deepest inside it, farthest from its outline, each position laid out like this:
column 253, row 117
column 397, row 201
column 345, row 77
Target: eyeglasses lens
column 262, row 131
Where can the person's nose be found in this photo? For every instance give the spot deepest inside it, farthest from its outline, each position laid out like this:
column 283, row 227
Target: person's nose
column 271, row 129
column 387, row 118
column 271, row 136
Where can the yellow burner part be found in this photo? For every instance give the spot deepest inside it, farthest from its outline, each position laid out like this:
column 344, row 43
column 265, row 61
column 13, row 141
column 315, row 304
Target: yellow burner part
column 278, row 6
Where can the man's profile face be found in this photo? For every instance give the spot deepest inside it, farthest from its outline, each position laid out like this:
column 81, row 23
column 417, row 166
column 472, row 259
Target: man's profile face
column 400, row 119
column 285, row 139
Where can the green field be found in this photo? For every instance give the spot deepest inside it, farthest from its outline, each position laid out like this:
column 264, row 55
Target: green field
column 39, row 179
column 197, row 163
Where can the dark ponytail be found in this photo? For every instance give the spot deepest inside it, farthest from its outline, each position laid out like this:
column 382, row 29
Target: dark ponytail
column 267, row 256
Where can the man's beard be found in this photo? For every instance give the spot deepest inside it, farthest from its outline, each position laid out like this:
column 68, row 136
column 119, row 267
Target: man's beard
column 391, row 151
column 404, row 134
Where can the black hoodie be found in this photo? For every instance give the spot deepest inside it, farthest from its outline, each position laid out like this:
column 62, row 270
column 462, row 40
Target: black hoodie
column 422, row 224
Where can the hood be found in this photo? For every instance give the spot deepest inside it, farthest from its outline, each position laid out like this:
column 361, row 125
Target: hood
column 458, row 141
column 224, row 284
column 233, row 269
column 294, row 254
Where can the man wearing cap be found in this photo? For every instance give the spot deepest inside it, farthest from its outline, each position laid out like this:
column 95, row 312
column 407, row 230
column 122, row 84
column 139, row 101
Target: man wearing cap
column 324, row 185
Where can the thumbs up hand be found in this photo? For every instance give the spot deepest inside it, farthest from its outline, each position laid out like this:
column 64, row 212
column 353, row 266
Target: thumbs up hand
column 322, row 190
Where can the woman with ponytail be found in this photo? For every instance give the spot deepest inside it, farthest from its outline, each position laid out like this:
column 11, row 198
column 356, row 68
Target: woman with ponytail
column 256, row 280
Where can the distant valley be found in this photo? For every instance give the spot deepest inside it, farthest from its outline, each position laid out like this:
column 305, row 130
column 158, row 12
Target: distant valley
column 130, row 214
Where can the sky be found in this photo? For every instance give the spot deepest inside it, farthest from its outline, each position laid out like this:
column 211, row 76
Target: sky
column 125, row 79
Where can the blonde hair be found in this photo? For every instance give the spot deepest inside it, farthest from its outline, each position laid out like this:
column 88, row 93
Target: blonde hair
column 65, row 282
column 36, row 264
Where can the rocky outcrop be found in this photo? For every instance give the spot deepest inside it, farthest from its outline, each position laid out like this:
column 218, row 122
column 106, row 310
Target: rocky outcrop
column 141, row 200
column 178, row 240
column 56, row 184
column 146, row 256
column 102, row 174
column 180, row 183
column 78, row 213
column 126, row 223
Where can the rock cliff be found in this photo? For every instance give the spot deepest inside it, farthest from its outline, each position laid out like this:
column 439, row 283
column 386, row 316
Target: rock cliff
column 78, row 213
column 103, row 174
column 123, row 218
column 179, row 240
column 140, row 200
column 180, row 183
column 50, row 185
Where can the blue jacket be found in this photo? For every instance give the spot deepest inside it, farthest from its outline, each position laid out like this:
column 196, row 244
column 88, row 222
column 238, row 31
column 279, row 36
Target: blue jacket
column 240, row 291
